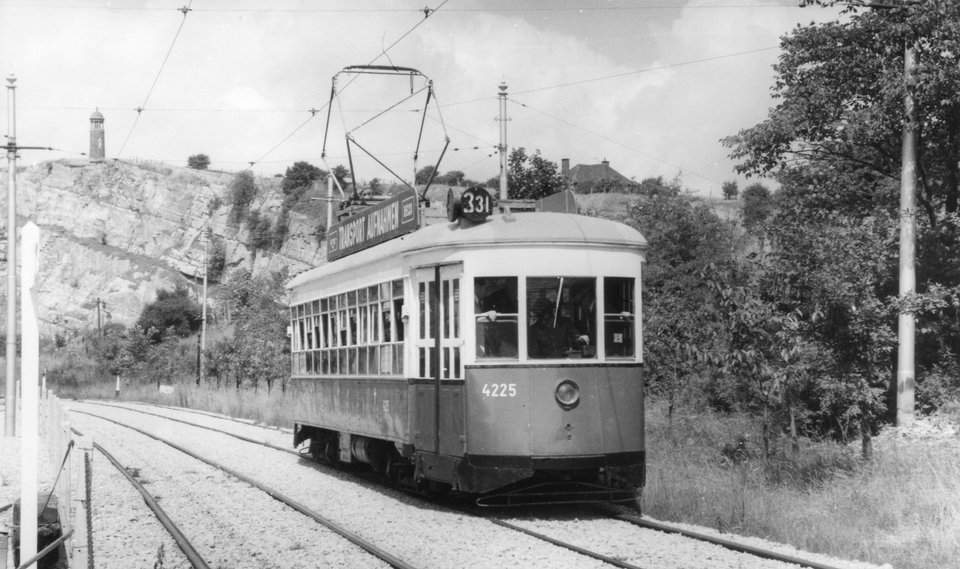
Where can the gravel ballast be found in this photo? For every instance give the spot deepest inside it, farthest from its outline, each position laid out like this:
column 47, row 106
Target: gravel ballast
column 234, row 525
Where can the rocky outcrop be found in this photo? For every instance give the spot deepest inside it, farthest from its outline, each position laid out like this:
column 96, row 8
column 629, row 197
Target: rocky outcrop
column 119, row 231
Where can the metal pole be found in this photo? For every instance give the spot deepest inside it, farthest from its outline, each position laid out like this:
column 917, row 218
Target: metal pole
column 503, row 140
column 10, row 415
column 203, row 308
column 30, row 405
column 330, row 200
column 908, row 207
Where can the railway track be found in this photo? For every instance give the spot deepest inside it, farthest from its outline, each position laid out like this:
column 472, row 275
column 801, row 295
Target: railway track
column 195, row 558
column 617, row 558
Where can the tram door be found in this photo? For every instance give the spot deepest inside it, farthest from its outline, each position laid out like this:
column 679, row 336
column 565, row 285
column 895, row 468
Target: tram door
column 438, row 359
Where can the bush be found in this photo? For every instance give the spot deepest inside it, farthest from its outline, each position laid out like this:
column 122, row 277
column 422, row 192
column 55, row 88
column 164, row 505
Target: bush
column 198, row 162
column 173, row 310
column 243, row 190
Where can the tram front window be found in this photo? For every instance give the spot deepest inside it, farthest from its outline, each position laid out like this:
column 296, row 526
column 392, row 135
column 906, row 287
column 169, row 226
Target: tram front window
column 495, row 307
column 561, row 317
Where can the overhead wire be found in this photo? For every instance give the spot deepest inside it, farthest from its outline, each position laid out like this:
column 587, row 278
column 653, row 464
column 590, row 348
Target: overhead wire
column 618, row 143
column 186, row 9
column 427, row 13
column 645, row 70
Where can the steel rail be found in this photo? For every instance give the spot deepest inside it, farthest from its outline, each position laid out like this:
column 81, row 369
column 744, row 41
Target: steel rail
column 726, row 543
column 182, row 542
column 350, row 536
column 250, row 422
column 570, row 546
column 649, row 524
column 192, row 424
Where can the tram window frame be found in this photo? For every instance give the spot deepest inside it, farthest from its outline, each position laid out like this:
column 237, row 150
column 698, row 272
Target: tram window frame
column 622, row 321
column 496, row 339
column 352, row 333
column 561, row 317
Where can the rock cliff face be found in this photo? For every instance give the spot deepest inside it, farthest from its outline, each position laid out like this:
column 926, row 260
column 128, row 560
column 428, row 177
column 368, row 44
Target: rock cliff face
column 119, row 231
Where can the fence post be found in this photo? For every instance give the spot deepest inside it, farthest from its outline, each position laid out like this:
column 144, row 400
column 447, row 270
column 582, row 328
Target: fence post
column 66, row 482
column 4, row 540
column 82, row 555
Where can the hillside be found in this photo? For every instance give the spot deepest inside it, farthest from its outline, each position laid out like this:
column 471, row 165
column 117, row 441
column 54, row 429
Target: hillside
column 119, row 231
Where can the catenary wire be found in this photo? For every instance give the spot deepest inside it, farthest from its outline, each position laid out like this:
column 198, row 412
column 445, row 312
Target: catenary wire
column 186, row 9
column 618, row 143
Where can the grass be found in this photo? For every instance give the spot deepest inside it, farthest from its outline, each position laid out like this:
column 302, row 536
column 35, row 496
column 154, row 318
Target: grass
column 902, row 508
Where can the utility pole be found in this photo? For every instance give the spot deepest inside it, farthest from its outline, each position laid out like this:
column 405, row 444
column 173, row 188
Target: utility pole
column 908, row 238
column 503, row 140
column 10, row 411
column 99, row 328
column 906, row 325
column 203, row 311
column 10, row 414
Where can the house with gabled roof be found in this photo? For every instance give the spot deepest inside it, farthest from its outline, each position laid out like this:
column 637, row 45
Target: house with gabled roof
column 587, row 178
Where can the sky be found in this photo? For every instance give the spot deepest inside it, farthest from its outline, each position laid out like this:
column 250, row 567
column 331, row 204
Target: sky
column 652, row 86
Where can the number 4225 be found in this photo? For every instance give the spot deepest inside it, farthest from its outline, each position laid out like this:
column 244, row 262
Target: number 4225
column 499, row 390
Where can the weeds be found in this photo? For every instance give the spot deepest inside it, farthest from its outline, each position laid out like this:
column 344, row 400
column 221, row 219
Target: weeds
column 902, row 508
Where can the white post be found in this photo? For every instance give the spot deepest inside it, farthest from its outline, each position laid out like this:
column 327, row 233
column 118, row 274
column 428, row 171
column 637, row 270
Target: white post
column 80, row 551
column 117, row 394
column 30, row 404
column 4, row 539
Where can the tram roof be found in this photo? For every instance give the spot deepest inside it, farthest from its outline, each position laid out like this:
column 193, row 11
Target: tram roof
column 523, row 229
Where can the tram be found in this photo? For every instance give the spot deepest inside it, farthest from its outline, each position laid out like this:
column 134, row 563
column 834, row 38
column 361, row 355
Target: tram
column 497, row 355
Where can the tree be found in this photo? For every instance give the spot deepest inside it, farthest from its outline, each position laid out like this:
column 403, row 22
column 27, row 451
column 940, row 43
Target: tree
column 243, row 190
column 453, row 178
column 218, row 259
column 730, row 190
column 298, row 178
column 834, row 143
column 375, row 186
column 261, row 235
column 425, row 174
column 684, row 237
column 198, row 162
column 532, row 177
column 260, row 349
column 341, row 173
column 841, row 90
column 174, row 310
column 757, row 206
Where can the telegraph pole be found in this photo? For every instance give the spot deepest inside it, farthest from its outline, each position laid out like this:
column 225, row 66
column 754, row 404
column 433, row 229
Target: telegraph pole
column 99, row 328
column 503, row 140
column 10, row 414
column 906, row 324
column 203, row 310
column 908, row 238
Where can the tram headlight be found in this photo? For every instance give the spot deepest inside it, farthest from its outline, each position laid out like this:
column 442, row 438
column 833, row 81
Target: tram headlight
column 567, row 394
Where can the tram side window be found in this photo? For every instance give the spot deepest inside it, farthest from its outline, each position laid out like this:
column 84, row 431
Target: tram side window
column 496, row 310
column 619, row 316
column 561, row 317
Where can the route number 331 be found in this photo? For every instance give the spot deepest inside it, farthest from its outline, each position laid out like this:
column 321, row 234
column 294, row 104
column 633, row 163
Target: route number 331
column 476, row 204
column 499, row 390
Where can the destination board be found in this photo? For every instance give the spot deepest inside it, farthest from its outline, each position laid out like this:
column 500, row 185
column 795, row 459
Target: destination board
column 390, row 218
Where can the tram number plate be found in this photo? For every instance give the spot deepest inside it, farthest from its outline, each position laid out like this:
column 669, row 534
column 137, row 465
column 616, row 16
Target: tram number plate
column 499, row 390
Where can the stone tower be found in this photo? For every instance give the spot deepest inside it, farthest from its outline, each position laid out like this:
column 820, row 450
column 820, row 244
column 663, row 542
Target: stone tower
column 97, row 148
